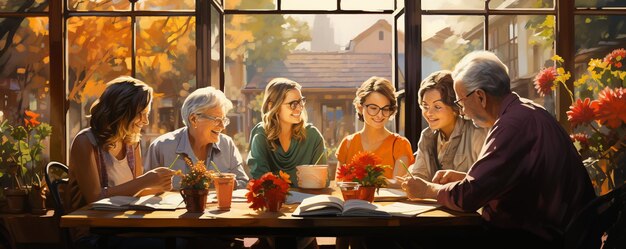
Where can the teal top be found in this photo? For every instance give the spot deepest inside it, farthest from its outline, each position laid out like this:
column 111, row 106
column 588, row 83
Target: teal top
column 262, row 159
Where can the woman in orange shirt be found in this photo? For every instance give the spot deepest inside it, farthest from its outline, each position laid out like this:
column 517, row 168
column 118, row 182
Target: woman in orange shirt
column 375, row 103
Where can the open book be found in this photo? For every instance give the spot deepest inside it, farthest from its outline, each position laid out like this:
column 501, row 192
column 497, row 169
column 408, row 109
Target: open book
column 165, row 201
column 326, row 205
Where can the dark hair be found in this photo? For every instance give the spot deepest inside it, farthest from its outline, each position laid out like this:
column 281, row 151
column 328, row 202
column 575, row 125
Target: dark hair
column 379, row 85
column 442, row 82
column 121, row 102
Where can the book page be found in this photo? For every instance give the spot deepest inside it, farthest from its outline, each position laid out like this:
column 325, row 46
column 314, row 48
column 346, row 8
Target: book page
column 357, row 207
column 166, row 201
column 403, row 209
column 389, row 194
column 320, row 205
column 113, row 203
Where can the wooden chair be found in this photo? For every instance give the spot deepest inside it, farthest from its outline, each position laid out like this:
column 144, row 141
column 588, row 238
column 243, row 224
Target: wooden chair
column 604, row 217
column 56, row 174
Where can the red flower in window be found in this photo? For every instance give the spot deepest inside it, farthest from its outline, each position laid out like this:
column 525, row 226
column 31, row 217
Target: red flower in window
column 544, row 81
column 610, row 107
column 581, row 112
column 615, row 58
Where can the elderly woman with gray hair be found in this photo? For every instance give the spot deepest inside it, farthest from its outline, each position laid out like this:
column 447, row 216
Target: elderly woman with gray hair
column 204, row 115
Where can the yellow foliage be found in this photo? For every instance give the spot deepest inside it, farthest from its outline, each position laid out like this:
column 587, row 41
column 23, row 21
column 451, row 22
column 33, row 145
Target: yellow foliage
column 92, row 89
column 549, row 22
column 38, row 25
column 20, row 48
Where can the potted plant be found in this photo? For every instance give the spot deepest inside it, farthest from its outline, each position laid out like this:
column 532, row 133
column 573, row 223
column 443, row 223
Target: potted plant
column 366, row 169
column 194, row 186
column 268, row 192
column 597, row 116
column 21, row 150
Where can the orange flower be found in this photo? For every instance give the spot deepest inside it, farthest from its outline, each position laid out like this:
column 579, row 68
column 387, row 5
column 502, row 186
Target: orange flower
column 31, row 119
column 364, row 168
column 610, row 107
column 544, row 81
column 615, row 58
column 197, row 178
column 269, row 186
column 581, row 112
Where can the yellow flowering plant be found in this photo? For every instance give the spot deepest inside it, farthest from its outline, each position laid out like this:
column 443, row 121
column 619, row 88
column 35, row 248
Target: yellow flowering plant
column 597, row 117
column 198, row 177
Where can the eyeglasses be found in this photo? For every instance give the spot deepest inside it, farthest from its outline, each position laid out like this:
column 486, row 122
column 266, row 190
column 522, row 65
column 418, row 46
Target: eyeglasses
column 457, row 102
column 374, row 109
column 434, row 108
column 215, row 120
column 294, row 104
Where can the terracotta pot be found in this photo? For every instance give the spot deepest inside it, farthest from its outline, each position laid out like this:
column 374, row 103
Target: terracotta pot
column 37, row 201
column 17, row 200
column 367, row 193
column 195, row 199
column 274, row 203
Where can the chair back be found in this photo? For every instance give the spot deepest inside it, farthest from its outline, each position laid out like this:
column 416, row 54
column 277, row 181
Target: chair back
column 603, row 219
column 56, row 174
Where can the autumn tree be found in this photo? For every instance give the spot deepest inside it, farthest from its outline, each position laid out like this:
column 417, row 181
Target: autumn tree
column 262, row 39
column 24, row 61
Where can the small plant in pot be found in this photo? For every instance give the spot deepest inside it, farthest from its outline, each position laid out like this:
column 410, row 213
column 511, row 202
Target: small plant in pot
column 194, row 186
column 21, row 159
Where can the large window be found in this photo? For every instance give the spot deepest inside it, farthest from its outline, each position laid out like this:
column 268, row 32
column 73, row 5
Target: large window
column 179, row 45
column 330, row 55
column 156, row 47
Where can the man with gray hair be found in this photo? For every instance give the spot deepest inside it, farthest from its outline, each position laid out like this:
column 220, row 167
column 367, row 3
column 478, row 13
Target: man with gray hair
column 529, row 180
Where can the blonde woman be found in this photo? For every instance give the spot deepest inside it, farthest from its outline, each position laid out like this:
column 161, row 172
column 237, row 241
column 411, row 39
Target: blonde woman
column 375, row 103
column 284, row 140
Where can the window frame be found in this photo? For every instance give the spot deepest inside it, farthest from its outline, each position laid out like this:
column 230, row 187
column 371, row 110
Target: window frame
column 563, row 10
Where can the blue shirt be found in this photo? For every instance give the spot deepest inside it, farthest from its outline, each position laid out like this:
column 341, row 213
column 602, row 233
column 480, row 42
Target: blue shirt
column 163, row 151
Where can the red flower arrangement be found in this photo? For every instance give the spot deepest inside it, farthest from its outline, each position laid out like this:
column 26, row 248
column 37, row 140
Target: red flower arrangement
column 365, row 168
column 597, row 117
column 269, row 191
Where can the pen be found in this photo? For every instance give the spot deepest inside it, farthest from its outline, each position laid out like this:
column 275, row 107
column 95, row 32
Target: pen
column 407, row 169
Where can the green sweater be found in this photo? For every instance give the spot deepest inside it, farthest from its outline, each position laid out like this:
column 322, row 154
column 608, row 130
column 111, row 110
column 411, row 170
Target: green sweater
column 262, row 159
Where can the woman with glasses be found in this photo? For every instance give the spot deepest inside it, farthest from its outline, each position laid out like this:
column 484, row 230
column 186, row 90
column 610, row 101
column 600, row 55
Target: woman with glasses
column 284, row 140
column 375, row 103
column 204, row 116
column 449, row 142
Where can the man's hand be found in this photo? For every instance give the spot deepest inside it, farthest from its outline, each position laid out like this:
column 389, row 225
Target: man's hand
column 418, row 188
column 446, row 176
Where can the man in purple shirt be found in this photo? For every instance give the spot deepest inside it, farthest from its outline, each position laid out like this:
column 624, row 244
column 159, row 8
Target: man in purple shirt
column 528, row 179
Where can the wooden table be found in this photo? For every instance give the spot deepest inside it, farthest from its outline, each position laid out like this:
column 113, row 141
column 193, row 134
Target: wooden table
column 241, row 221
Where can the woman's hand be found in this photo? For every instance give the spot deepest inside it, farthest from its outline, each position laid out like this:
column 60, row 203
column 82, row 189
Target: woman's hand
column 159, row 178
column 446, row 176
column 393, row 183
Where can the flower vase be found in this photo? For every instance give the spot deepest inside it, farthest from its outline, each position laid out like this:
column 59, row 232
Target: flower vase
column 367, row 193
column 273, row 203
column 195, row 199
column 17, row 200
